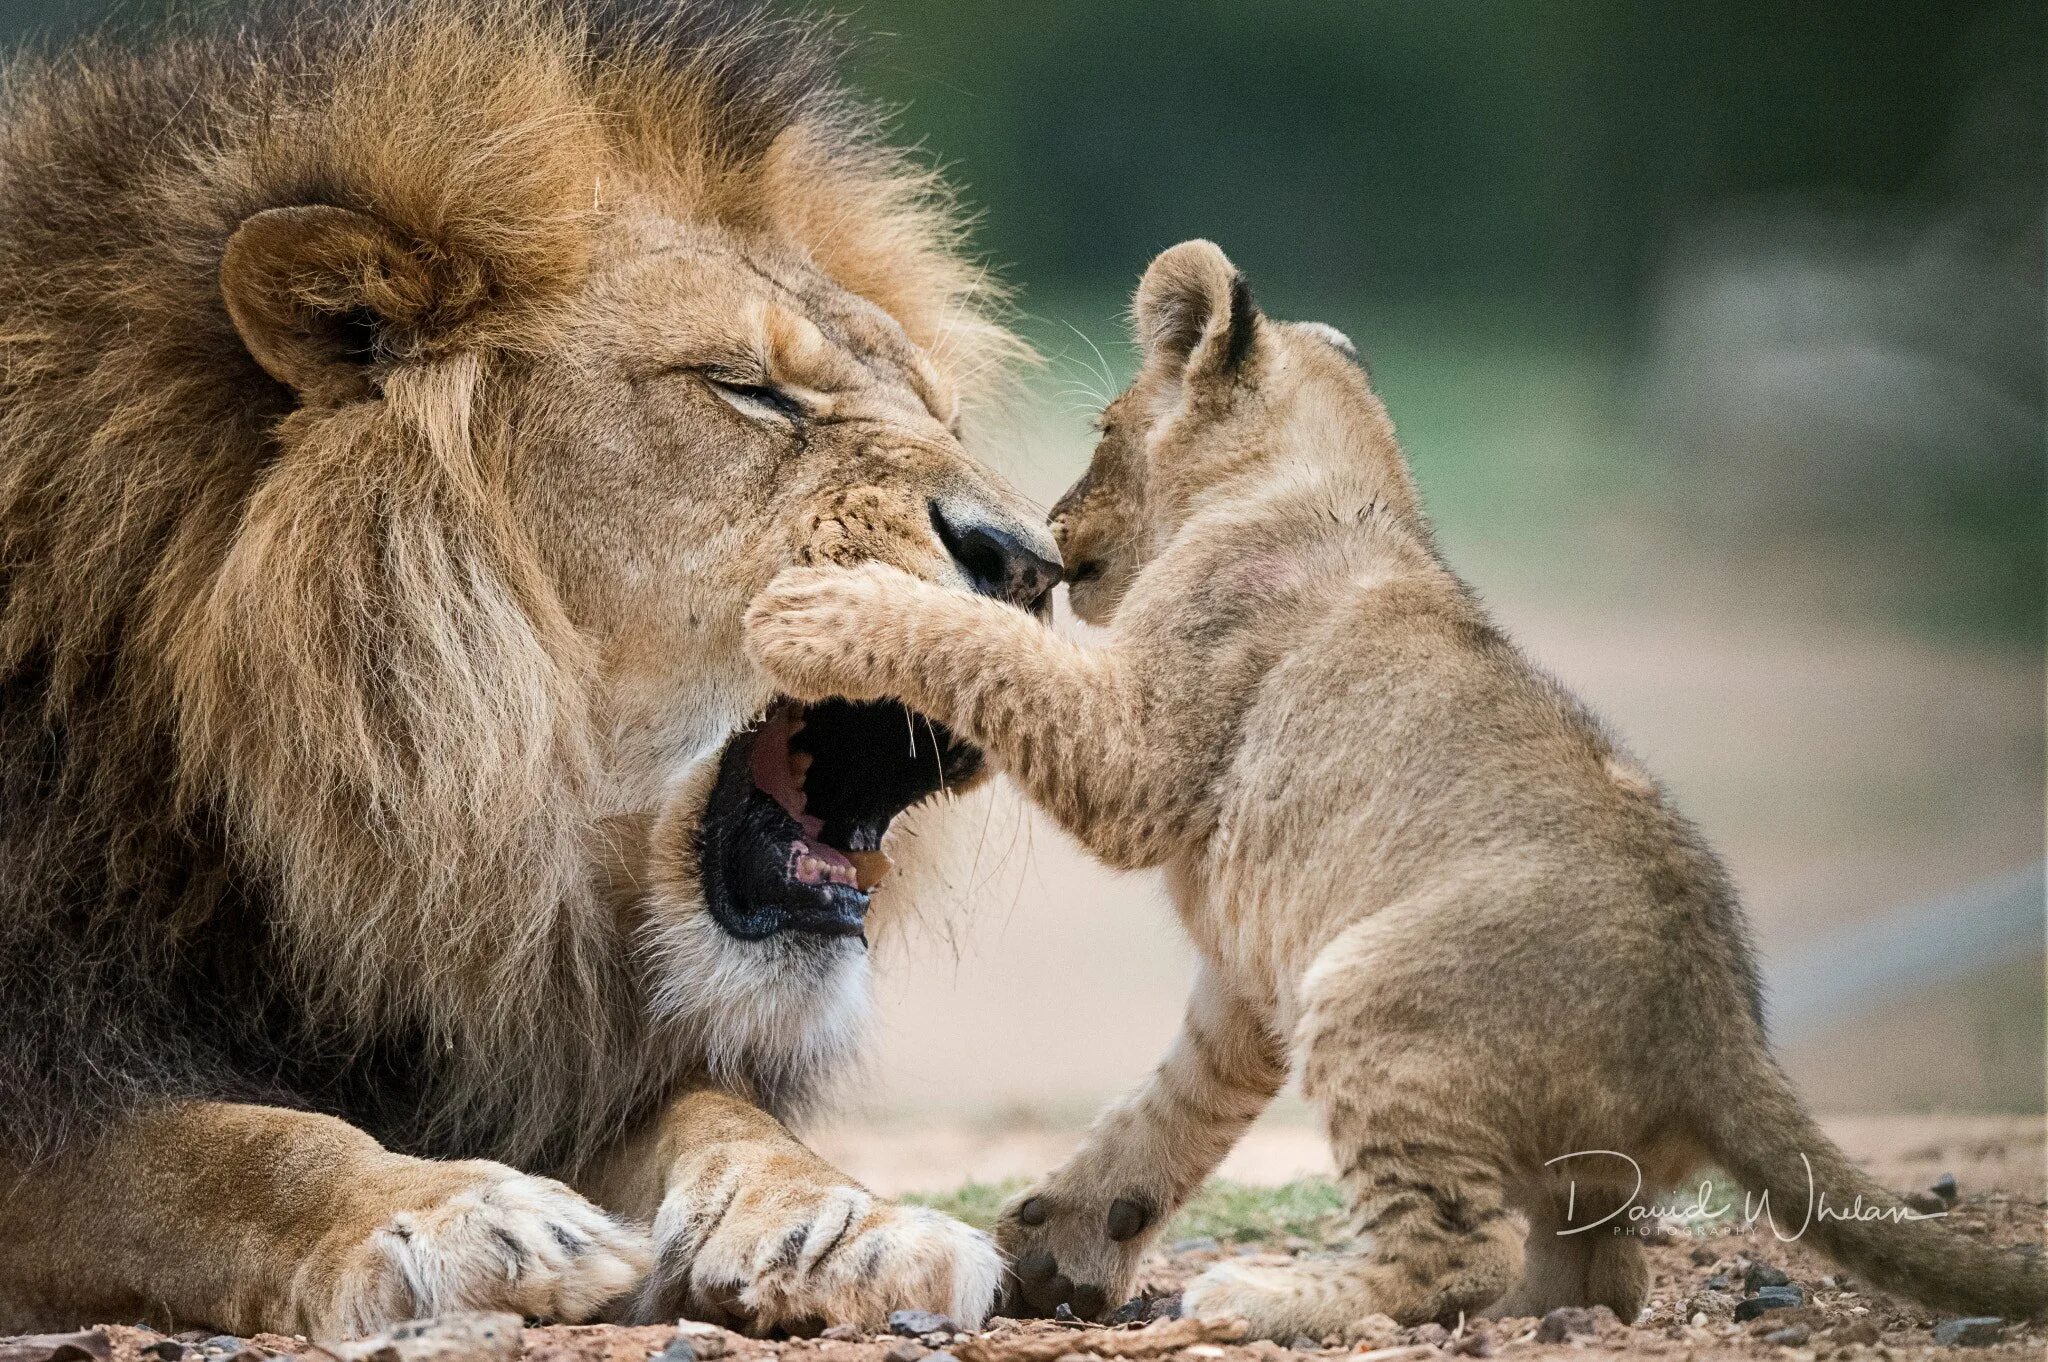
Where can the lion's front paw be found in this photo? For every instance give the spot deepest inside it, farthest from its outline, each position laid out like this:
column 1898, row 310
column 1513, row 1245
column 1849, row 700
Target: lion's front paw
column 472, row 1236
column 825, row 632
column 1071, row 1249
column 798, row 1258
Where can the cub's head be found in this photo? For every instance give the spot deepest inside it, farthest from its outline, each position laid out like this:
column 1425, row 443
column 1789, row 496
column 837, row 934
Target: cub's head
column 1226, row 399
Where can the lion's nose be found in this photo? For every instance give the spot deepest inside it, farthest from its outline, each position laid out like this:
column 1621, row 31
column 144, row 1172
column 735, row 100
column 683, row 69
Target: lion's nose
column 999, row 559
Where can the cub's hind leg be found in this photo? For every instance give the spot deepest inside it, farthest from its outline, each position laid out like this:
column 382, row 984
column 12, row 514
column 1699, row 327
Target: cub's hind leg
column 1586, row 1259
column 1411, row 1108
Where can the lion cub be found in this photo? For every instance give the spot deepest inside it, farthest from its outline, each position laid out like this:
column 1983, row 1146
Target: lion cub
column 1514, row 980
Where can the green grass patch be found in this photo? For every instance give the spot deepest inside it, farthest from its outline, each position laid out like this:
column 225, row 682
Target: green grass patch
column 1228, row 1212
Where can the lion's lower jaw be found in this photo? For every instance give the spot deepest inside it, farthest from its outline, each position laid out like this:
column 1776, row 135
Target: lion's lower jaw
column 781, row 1018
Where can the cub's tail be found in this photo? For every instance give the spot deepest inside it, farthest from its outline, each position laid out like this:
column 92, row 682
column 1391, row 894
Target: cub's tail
column 1760, row 1132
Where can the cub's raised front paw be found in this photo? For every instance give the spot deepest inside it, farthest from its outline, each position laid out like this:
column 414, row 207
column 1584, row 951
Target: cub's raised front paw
column 475, row 1235
column 767, row 1255
column 831, row 631
column 1079, row 1251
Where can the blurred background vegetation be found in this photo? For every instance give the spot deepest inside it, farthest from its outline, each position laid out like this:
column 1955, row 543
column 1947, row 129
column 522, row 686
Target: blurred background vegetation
column 1715, row 332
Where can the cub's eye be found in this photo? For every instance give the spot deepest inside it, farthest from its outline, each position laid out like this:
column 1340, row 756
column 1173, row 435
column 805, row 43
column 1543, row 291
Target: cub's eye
column 758, row 400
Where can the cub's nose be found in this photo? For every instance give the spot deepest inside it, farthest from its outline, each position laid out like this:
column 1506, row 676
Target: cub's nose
column 1011, row 563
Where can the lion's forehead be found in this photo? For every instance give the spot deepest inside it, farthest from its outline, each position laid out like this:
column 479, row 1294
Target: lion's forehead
column 652, row 262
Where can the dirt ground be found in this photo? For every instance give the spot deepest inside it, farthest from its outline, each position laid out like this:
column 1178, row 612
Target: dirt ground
column 1700, row 1275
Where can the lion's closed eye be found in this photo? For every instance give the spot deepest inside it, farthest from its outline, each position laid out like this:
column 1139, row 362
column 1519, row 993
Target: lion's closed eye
column 760, row 401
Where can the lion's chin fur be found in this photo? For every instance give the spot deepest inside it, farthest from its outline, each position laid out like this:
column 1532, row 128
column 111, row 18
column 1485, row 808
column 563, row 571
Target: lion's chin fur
column 778, row 1019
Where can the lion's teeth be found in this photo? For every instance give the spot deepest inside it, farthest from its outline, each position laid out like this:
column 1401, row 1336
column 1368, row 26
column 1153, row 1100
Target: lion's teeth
column 868, row 868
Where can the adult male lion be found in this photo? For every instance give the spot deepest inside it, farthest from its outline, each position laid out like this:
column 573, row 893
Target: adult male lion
column 396, row 414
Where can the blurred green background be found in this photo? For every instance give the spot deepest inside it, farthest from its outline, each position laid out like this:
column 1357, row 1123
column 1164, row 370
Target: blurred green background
column 1715, row 332
column 1769, row 272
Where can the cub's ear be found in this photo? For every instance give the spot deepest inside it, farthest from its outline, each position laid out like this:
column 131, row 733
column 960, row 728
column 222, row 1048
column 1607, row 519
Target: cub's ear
column 320, row 294
column 1195, row 312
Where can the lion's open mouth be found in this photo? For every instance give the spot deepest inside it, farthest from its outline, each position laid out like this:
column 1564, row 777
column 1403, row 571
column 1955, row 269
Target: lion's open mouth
column 791, row 839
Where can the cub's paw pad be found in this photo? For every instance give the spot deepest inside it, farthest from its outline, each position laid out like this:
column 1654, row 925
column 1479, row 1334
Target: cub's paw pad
column 1079, row 1254
column 506, row 1241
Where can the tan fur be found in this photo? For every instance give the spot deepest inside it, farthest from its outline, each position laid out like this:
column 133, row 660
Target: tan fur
column 1401, row 850
column 374, row 537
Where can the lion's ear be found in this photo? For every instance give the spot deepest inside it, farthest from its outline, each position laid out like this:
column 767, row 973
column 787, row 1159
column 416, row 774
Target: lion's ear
column 320, row 294
column 1194, row 311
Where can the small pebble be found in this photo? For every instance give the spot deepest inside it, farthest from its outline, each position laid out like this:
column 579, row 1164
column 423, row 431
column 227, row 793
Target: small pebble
column 1974, row 1331
column 165, row 1349
column 1560, row 1324
column 678, row 1349
column 1432, row 1332
column 1475, row 1343
column 1945, row 1188
column 1304, row 1344
column 1769, row 1298
column 909, row 1350
column 913, row 1323
column 1793, row 1337
column 844, row 1333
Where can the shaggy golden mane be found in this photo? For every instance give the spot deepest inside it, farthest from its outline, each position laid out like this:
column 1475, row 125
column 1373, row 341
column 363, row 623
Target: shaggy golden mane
column 325, row 713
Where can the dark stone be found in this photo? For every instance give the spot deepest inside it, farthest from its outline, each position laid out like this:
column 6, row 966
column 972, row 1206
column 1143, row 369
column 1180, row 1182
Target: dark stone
column 1945, row 1188
column 914, row 1323
column 1127, row 1219
column 1973, row 1331
column 1166, row 1307
column 678, row 1349
column 1720, row 1281
column 1793, row 1337
column 1760, row 1275
column 1560, row 1324
column 1136, row 1310
column 165, row 1349
column 1769, row 1298
column 1033, row 1211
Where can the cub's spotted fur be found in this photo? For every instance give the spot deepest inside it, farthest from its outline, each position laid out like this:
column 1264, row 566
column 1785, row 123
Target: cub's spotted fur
column 1409, row 859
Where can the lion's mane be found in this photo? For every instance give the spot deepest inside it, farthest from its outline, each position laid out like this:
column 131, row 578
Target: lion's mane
column 293, row 753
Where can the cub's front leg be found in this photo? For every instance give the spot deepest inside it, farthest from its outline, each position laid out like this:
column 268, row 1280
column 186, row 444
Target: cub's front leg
column 1067, row 723
column 1076, row 1238
column 755, row 1232
column 253, row 1219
